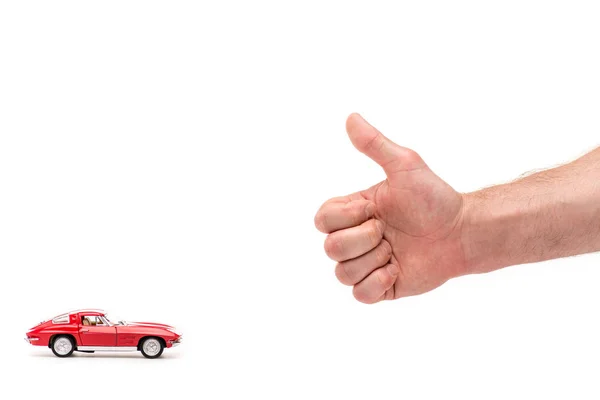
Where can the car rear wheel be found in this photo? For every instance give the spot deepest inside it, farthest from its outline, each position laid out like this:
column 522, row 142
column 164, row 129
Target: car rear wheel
column 151, row 348
column 63, row 346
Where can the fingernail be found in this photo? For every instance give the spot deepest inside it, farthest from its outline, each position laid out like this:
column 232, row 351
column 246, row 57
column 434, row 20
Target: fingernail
column 380, row 225
column 360, row 117
column 370, row 209
column 393, row 270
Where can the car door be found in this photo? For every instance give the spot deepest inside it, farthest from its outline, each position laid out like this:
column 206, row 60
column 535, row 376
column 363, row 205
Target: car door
column 95, row 331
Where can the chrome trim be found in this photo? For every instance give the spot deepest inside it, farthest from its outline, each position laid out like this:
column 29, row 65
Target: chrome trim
column 68, row 314
column 29, row 340
column 84, row 310
column 61, row 319
column 176, row 342
column 106, row 348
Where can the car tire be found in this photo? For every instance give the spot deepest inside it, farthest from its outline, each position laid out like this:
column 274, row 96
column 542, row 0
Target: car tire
column 63, row 346
column 152, row 347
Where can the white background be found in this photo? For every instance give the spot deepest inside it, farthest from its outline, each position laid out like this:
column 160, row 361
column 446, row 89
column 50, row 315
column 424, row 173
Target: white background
column 164, row 160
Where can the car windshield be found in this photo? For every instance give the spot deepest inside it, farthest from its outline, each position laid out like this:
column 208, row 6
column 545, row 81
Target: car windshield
column 113, row 321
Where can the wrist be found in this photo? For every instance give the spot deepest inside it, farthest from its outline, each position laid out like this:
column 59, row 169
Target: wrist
column 495, row 226
column 473, row 205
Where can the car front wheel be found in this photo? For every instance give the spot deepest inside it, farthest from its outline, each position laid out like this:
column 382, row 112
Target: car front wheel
column 151, row 348
column 63, row 346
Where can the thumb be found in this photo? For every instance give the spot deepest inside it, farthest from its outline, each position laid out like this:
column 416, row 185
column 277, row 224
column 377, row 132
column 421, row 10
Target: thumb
column 390, row 156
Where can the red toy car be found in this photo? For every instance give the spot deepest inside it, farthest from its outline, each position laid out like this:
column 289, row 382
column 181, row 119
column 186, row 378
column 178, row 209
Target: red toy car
column 91, row 330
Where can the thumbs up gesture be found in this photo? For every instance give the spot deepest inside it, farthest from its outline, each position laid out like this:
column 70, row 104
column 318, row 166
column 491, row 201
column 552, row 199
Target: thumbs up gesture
column 399, row 238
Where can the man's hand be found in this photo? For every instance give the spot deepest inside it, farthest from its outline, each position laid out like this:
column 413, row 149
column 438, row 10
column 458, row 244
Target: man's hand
column 413, row 232
column 400, row 237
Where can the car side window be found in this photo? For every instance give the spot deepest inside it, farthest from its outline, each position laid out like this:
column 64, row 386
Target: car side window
column 92, row 320
column 61, row 319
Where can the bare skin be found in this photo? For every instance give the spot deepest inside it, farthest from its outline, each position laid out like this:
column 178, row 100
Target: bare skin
column 412, row 232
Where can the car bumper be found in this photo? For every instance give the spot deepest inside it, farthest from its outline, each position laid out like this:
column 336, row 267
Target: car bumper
column 175, row 343
column 31, row 340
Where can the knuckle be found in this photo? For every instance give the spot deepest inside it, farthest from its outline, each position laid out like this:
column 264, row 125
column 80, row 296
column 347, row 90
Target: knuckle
column 372, row 142
column 411, row 157
column 354, row 212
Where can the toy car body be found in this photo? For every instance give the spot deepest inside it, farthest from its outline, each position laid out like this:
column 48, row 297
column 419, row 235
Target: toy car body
column 90, row 330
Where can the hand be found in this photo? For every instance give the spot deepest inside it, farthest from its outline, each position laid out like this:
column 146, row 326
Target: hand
column 401, row 237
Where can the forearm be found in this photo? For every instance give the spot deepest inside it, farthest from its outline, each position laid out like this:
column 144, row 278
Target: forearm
column 550, row 214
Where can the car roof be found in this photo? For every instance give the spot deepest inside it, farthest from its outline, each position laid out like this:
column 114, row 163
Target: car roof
column 84, row 310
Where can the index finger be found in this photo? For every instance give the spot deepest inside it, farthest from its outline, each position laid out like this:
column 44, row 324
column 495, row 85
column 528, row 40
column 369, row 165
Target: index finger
column 336, row 215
